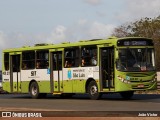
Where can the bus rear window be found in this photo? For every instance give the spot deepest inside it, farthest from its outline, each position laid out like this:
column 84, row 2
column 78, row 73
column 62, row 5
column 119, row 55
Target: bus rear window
column 6, row 61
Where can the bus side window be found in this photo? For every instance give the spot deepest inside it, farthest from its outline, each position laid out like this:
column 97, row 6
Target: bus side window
column 42, row 59
column 71, row 57
column 6, row 61
column 24, row 66
column 89, row 56
column 28, row 60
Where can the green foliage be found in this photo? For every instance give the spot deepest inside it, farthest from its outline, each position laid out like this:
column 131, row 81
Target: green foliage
column 145, row 27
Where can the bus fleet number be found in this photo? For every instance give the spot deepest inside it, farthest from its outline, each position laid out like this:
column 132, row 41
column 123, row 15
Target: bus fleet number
column 33, row 73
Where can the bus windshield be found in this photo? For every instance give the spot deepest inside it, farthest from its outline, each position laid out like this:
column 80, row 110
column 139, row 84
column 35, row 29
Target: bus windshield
column 136, row 59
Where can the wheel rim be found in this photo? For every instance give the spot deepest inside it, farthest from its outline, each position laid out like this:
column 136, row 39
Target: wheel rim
column 93, row 90
column 34, row 90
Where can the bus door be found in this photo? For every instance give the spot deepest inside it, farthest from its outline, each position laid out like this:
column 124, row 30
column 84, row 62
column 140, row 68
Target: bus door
column 107, row 68
column 56, row 71
column 15, row 72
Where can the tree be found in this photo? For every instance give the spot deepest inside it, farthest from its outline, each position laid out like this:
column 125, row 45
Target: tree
column 121, row 31
column 145, row 27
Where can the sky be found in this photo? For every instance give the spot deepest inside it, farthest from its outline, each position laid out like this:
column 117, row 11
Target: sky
column 27, row 22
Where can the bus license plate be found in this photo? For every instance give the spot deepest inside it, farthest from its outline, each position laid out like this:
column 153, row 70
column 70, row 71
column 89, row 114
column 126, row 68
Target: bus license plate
column 140, row 86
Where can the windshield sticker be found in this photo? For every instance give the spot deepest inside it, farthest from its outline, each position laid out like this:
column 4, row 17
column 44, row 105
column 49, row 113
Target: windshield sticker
column 127, row 78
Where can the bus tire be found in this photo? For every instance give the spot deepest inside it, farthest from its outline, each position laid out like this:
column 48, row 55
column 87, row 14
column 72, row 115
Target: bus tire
column 34, row 90
column 127, row 95
column 93, row 91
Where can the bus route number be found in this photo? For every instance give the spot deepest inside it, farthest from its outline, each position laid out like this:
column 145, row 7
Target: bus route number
column 33, row 73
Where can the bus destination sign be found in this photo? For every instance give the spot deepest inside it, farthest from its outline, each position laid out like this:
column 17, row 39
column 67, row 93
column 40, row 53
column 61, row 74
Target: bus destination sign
column 135, row 42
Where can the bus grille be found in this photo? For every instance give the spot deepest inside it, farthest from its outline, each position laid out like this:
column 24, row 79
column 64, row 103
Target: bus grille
column 136, row 87
column 140, row 81
column 138, row 74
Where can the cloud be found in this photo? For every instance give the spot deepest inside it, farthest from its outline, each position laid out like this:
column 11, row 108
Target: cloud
column 85, row 29
column 143, row 8
column 3, row 40
column 82, row 29
column 137, row 9
column 82, row 21
column 58, row 34
column 100, row 30
column 93, row 2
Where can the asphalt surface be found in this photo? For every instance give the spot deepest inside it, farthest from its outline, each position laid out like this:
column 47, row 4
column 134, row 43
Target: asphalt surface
column 109, row 102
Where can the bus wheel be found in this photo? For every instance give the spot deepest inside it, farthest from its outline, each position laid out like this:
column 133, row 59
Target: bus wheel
column 93, row 91
column 127, row 95
column 34, row 90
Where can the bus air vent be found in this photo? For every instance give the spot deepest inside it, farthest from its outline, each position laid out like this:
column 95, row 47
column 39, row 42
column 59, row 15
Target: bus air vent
column 94, row 39
column 82, row 41
column 65, row 42
column 25, row 46
column 112, row 37
column 43, row 44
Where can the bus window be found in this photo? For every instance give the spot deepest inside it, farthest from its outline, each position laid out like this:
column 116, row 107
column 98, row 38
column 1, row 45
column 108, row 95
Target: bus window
column 42, row 59
column 133, row 59
column 28, row 60
column 6, row 61
column 71, row 57
column 89, row 56
column 57, row 61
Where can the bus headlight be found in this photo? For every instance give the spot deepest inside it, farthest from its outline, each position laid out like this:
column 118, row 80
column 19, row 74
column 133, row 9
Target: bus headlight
column 154, row 79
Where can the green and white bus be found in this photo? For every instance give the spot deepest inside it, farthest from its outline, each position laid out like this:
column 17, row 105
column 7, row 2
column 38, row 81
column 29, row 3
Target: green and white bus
column 98, row 66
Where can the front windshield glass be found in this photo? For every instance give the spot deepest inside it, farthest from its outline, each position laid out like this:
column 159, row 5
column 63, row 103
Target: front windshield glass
column 133, row 59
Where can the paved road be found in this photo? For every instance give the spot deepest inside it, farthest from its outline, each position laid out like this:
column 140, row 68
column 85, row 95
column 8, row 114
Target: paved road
column 109, row 102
